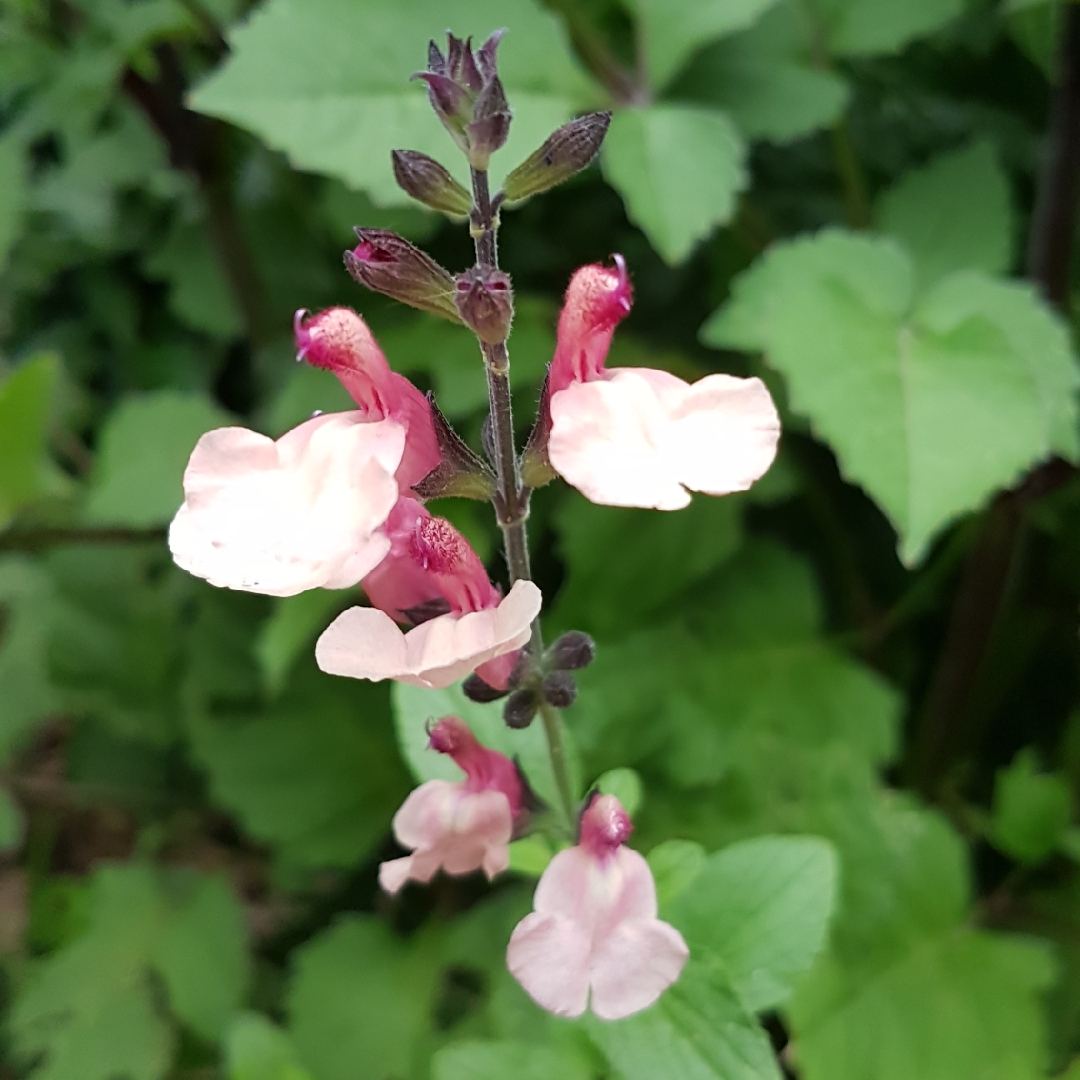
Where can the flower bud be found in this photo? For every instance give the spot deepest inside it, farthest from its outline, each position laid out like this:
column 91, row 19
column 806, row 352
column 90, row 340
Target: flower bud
column 565, row 152
column 559, row 689
column 520, row 708
column 475, row 689
column 388, row 264
column 428, row 182
column 572, row 651
column 485, row 303
column 467, row 95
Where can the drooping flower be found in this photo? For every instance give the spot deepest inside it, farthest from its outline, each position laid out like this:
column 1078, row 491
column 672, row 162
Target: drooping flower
column 300, row 513
column 593, row 939
column 642, row 437
column 432, row 581
column 339, row 340
column 462, row 826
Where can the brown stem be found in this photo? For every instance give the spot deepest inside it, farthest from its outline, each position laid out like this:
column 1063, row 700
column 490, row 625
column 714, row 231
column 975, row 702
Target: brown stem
column 195, row 146
column 1053, row 225
column 947, row 722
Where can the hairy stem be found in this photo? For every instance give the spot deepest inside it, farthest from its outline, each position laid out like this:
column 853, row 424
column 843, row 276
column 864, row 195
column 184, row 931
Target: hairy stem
column 512, row 499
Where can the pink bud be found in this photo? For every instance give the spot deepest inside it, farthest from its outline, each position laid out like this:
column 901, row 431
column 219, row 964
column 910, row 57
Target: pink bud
column 597, row 300
column 593, row 939
column 339, row 340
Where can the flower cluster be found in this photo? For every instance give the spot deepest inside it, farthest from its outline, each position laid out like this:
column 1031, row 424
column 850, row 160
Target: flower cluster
column 339, row 501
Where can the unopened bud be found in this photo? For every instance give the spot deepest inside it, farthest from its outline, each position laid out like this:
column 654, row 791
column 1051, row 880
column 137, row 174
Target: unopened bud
column 428, row 182
column 465, row 91
column 475, row 689
column 559, row 689
column 386, row 263
column 572, row 651
column 520, row 708
column 485, row 303
column 566, row 151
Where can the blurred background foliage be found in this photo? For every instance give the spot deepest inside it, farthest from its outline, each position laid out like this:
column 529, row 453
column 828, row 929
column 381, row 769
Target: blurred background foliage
column 877, row 645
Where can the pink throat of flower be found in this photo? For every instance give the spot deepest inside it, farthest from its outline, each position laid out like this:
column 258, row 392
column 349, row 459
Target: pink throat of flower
column 437, row 546
column 605, row 826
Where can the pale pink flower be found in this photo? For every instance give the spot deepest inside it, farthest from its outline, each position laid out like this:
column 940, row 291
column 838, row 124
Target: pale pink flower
column 642, row 437
column 431, row 581
column 593, row 939
column 457, row 827
column 300, row 513
column 339, row 340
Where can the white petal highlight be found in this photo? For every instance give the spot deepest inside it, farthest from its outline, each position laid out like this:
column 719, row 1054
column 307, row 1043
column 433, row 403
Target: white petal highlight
column 639, row 437
column 364, row 643
column 300, row 513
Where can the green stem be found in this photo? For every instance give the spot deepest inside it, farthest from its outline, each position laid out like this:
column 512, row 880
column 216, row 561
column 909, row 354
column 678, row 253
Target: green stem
column 512, row 498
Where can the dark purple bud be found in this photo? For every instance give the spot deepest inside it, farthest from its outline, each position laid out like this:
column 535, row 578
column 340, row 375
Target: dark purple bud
column 475, row 689
column 451, row 103
column 465, row 72
column 565, row 152
column 572, row 651
column 559, row 689
column 436, row 62
column 460, row 473
column 386, row 263
column 520, row 708
column 427, row 181
column 485, row 56
column 485, row 302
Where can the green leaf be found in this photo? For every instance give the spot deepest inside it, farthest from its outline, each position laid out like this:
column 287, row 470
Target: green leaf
column 12, row 192
column 1031, row 810
column 777, row 896
column 767, row 78
column 257, row 1050
column 91, row 1009
column 314, row 773
column 12, row 823
column 963, row 1006
column 26, row 598
column 904, row 391
column 625, row 785
column 501, row 1060
column 295, row 623
column 137, row 478
column 327, row 82
column 953, row 214
column 672, row 33
column 27, row 472
column 202, row 956
column 360, row 1000
column 675, row 864
column 414, row 706
column 698, row 1030
column 530, row 856
column 308, row 390
column 866, row 27
column 678, row 169
column 670, row 552
column 114, row 637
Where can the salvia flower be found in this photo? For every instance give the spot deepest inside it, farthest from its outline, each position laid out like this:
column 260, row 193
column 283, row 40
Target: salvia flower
column 339, row 340
column 300, row 513
column 455, row 621
column 593, row 939
column 642, row 437
column 457, row 827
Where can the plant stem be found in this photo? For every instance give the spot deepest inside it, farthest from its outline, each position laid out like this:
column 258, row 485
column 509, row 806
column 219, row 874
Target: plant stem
column 851, row 176
column 512, row 499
